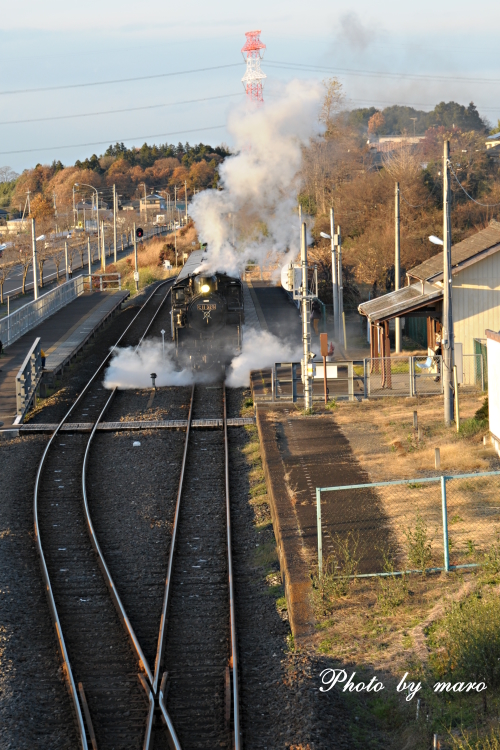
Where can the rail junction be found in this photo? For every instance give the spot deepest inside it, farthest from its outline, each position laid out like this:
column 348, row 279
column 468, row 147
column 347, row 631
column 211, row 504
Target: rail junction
column 125, row 668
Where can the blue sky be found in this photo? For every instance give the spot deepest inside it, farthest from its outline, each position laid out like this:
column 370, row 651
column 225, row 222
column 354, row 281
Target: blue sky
column 442, row 44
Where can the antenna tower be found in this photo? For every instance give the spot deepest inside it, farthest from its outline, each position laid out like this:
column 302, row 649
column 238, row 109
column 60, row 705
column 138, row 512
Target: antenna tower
column 253, row 78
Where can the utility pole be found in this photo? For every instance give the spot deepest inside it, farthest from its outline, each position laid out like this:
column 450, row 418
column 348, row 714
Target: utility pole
column 33, row 241
column 66, row 259
column 306, row 332
column 447, row 346
column 338, row 242
column 175, row 239
column 97, row 220
column 103, row 249
column 115, row 209
column 136, row 274
column 397, row 265
column 90, row 261
column 186, row 199
column 335, row 281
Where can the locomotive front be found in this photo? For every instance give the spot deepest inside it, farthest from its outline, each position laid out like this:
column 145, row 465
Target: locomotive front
column 207, row 316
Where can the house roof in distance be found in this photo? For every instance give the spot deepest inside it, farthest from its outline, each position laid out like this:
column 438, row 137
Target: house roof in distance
column 468, row 251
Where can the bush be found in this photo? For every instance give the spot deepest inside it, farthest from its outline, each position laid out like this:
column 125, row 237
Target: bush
column 483, row 411
column 472, row 426
column 471, row 640
column 419, row 545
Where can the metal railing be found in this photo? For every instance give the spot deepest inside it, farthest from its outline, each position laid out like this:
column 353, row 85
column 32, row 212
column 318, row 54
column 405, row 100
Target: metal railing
column 27, row 317
column 412, row 525
column 286, row 381
column 102, row 282
column 27, row 379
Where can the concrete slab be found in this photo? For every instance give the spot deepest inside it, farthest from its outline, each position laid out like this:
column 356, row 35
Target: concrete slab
column 62, row 336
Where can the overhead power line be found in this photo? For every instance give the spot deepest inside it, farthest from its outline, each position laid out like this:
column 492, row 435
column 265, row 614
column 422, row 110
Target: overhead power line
column 109, row 140
column 118, row 111
column 116, row 80
column 375, row 73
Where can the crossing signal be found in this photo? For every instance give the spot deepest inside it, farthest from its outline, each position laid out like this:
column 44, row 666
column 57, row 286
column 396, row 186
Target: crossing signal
column 139, row 232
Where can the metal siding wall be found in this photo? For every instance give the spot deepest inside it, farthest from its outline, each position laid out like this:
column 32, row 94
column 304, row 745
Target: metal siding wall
column 476, row 301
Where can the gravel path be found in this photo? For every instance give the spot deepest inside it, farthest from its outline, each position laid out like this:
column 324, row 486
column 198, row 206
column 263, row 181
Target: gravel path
column 34, row 707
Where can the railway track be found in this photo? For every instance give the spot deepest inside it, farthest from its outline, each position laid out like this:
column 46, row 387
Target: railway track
column 199, row 688
column 100, row 656
column 191, row 682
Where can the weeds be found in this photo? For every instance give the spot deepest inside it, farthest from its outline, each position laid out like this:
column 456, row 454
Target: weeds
column 339, row 570
column 470, row 742
column 472, row 426
column 393, row 590
column 492, row 557
column 331, row 405
column 470, row 641
column 419, row 545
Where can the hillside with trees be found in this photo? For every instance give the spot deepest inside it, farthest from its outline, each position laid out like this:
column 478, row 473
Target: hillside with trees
column 342, row 170
column 132, row 170
column 398, row 120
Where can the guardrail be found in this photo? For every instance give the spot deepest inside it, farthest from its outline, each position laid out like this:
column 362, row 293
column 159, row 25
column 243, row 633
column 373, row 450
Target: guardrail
column 27, row 380
column 15, row 325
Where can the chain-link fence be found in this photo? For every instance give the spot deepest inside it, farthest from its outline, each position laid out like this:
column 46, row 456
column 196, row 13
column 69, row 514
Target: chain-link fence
column 473, row 372
column 403, row 376
column 411, row 525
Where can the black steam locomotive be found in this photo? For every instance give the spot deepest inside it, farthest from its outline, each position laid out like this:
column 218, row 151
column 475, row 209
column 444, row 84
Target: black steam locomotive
column 207, row 315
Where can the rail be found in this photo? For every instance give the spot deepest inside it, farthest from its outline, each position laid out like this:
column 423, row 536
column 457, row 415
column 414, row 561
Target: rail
column 15, row 325
column 234, row 644
column 143, row 663
column 27, row 380
column 50, row 595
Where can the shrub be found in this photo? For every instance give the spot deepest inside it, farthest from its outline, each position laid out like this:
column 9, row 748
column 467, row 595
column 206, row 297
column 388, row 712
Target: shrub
column 393, row 590
column 419, row 545
column 471, row 640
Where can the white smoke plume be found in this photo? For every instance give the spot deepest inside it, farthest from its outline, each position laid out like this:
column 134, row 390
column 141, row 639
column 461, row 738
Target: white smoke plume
column 260, row 182
column 132, row 369
column 261, row 349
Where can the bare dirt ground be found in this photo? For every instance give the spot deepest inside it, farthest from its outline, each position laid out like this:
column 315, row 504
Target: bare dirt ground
column 384, row 626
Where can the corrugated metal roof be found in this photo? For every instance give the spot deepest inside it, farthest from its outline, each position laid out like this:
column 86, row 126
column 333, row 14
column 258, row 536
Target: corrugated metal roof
column 400, row 303
column 478, row 243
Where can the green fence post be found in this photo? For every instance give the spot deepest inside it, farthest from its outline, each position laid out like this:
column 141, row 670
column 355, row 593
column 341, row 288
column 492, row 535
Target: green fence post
column 445, row 526
column 320, row 536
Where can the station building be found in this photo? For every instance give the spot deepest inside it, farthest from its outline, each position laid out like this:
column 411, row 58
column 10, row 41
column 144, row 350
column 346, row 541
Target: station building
column 475, row 297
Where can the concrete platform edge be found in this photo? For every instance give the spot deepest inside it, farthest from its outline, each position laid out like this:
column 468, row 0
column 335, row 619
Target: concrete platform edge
column 294, row 568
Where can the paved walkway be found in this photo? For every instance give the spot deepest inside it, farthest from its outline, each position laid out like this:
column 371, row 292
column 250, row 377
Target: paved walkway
column 62, row 335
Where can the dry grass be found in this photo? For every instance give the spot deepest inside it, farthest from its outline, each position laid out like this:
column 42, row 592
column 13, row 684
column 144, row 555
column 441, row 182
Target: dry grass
column 148, row 255
column 382, row 437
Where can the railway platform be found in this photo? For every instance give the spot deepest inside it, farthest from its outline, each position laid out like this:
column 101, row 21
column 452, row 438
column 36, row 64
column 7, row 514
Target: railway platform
column 299, row 454
column 62, row 336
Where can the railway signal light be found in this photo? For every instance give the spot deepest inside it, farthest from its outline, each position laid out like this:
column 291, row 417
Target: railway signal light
column 139, row 232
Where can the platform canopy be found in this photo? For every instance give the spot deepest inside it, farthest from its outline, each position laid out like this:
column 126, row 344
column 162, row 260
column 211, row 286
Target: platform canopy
column 417, row 299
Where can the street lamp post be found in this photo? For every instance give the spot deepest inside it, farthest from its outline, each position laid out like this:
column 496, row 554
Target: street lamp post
column 83, row 184
column 448, row 334
column 33, row 240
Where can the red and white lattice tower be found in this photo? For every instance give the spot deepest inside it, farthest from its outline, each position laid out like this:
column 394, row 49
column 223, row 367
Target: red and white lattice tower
column 252, row 80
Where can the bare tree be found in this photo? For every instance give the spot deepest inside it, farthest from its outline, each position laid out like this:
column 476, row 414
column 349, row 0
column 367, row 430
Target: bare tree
column 7, row 263
column 24, row 255
column 7, row 174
